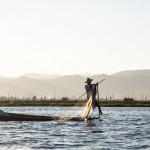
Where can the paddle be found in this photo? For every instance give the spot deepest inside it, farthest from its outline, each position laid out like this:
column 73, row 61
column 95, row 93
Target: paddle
column 86, row 92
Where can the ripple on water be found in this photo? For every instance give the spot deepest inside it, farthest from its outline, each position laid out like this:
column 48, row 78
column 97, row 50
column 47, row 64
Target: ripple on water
column 121, row 128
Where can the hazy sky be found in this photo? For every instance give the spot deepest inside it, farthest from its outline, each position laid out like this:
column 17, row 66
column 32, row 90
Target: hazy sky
column 73, row 36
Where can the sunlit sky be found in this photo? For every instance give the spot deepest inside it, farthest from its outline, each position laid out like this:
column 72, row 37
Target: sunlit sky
column 74, row 36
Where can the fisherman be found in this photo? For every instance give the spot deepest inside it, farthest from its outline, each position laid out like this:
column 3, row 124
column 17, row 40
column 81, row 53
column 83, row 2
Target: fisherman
column 91, row 91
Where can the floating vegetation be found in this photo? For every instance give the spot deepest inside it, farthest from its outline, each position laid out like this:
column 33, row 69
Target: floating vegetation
column 77, row 103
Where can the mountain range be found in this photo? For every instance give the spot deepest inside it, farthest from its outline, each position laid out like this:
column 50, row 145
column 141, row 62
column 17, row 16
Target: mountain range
column 133, row 83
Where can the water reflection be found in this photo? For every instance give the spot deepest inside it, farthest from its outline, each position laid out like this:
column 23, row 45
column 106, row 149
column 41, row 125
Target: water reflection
column 120, row 128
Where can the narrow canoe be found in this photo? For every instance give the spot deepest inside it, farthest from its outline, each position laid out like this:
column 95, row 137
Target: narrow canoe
column 25, row 117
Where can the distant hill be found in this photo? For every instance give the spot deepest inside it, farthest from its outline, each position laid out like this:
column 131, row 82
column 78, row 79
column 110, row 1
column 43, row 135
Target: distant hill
column 134, row 83
column 52, row 76
column 41, row 76
column 145, row 72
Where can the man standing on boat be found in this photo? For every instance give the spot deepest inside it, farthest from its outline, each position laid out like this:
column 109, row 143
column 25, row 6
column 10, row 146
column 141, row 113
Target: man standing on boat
column 91, row 90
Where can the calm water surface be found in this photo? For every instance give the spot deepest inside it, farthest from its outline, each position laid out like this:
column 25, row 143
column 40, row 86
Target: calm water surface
column 120, row 129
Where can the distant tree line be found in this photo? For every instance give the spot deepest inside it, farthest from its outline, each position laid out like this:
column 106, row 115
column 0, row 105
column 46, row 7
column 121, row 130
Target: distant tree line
column 67, row 98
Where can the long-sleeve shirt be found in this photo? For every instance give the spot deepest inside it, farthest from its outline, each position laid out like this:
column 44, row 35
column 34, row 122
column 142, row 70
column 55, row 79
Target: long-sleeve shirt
column 89, row 90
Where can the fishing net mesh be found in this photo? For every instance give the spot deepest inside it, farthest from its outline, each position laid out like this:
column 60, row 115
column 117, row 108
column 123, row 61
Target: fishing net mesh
column 82, row 112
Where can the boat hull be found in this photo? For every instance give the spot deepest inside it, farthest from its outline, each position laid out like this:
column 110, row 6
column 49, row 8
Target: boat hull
column 25, row 117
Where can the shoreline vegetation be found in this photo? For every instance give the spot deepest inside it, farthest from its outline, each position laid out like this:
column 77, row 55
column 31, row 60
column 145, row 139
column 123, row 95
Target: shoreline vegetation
column 71, row 103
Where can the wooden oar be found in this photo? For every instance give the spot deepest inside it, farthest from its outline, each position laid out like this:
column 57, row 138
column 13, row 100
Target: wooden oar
column 86, row 92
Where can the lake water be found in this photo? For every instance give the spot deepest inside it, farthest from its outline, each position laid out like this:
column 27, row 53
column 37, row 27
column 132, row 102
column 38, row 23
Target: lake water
column 120, row 129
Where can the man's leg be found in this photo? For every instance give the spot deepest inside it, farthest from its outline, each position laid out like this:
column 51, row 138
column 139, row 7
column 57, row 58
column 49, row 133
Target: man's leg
column 99, row 108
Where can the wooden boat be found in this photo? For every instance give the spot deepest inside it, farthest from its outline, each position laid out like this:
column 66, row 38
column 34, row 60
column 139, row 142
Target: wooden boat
column 25, row 117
